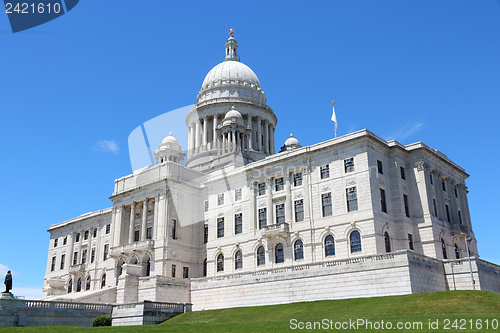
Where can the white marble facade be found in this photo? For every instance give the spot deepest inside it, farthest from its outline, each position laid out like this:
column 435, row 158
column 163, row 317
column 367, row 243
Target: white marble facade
column 236, row 210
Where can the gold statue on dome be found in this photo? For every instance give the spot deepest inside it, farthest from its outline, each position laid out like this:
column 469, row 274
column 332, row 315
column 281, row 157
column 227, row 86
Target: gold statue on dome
column 231, row 31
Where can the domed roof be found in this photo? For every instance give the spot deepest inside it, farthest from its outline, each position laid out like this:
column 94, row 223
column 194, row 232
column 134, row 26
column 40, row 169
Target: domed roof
column 169, row 139
column 231, row 71
column 292, row 142
column 233, row 114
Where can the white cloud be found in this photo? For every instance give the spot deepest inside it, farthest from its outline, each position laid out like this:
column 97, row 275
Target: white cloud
column 107, row 146
column 406, row 131
column 27, row 292
column 3, row 270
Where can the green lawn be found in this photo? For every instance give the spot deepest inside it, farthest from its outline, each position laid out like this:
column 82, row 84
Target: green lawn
column 483, row 308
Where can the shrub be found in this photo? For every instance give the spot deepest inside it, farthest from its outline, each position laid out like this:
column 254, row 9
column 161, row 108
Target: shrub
column 102, row 321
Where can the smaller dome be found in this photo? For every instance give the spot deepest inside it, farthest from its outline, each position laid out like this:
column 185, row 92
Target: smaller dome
column 233, row 114
column 291, row 141
column 169, row 139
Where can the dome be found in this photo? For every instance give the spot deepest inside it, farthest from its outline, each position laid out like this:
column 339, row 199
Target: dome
column 231, row 71
column 291, row 141
column 169, row 139
column 233, row 114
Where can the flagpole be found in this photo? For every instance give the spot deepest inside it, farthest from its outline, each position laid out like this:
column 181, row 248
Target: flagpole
column 334, row 118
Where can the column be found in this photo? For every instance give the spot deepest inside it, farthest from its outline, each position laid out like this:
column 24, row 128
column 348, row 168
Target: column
column 144, row 225
column 270, row 208
column 251, row 194
column 205, row 132
column 117, row 224
column 250, row 136
column 259, row 136
column 305, row 185
column 273, row 148
column 132, row 223
column 214, row 141
column 288, row 200
column 268, row 142
column 264, row 141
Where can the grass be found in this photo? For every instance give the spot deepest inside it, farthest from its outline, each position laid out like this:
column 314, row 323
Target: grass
column 477, row 306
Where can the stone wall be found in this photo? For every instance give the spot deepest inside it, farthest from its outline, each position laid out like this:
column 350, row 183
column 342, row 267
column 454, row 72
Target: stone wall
column 146, row 313
column 486, row 275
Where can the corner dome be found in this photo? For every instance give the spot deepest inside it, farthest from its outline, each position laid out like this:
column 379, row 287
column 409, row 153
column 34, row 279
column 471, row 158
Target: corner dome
column 169, row 139
column 233, row 114
column 291, row 141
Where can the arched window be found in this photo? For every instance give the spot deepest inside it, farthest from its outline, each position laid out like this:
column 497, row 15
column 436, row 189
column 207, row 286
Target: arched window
column 279, row 254
column 133, row 261
column 79, row 285
column 220, row 263
column 387, row 240
column 443, row 247
column 87, row 284
column 457, row 252
column 70, row 285
column 261, row 256
column 355, row 241
column 329, row 246
column 298, row 250
column 103, row 280
column 238, row 260
column 148, row 268
column 146, row 265
column 205, row 267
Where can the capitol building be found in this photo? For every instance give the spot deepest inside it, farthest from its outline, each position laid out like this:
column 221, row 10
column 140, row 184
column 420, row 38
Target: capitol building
column 237, row 219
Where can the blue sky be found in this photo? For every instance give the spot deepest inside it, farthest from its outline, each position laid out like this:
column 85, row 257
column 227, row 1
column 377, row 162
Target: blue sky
column 72, row 90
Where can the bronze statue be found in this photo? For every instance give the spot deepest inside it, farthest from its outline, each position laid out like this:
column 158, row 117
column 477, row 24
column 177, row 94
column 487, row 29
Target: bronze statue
column 8, row 282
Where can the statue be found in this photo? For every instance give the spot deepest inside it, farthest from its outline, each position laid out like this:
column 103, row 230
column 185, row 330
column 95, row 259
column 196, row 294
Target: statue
column 8, row 282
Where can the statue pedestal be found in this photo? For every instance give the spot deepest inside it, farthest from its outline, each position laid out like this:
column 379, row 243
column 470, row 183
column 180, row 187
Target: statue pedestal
column 7, row 296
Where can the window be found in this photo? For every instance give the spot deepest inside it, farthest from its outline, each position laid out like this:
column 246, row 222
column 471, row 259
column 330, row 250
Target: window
column 220, row 227
column 87, row 284
column 279, row 254
column 86, row 235
column 380, row 167
column 435, row 207
column 459, row 217
column 206, row 206
column 79, row 285
column 297, row 179
column 329, row 246
column 63, row 259
column 443, row 247
column 205, row 234
column 103, row 281
column 457, row 252
column 298, row 250
column 55, row 242
column 238, row 223
column 84, row 256
column 262, row 218
column 237, row 194
column 279, row 184
column 299, row 210
column 53, row 265
column 75, row 258
column 205, row 264
column 387, row 240
column 280, row 213
column 65, row 240
column 185, row 272
column 456, row 192
column 77, row 237
column 238, row 260
column 261, row 256
column 407, row 207
column 174, row 229
column 261, row 188
column 324, row 171
column 431, row 178
column 94, row 233
column 355, row 241
column 352, row 199
column 402, row 172
column 92, row 255
column 220, row 199
column 136, row 235
column 106, row 251
column 349, row 165
column 220, row 263
column 70, row 286
column 443, row 184
column 383, row 203
column 108, row 228
column 174, row 267
column 326, row 204
column 149, row 233
column 448, row 217
column 410, row 241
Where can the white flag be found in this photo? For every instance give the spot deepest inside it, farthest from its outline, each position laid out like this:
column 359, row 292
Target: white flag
column 334, row 118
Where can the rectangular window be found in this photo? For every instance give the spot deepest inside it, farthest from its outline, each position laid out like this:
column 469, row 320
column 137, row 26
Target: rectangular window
column 352, row 199
column 299, row 210
column 65, row 240
column 106, row 251
column 84, row 256
column 149, row 233
column 174, row 229
column 280, row 213
column 220, row 227
column 53, row 265
column 326, row 204
column 185, row 272
column 349, row 165
column 220, row 199
column 237, row 194
column 435, row 207
column 63, row 259
column 279, row 184
column 77, row 237
column 136, row 235
column 262, row 218
column 205, row 234
column 75, row 258
column 94, row 233
column 108, row 228
column 383, row 203
column 261, row 188
column 173, row 270
column 92, row 255
column 448, row 215
column 324, row 171
column 443, row 184
column 86, row 235
column 380, row 167
column 431, row 178
column 206, row 206
column 403, row 174
column 456, row 192
column 55, row 242
column 238, row 223
column 297, row 179
column 407, row 207
column 410, row 241
column 459, row 217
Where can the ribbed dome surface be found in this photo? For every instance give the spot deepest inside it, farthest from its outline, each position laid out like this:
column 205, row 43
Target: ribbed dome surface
column 231, row 71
